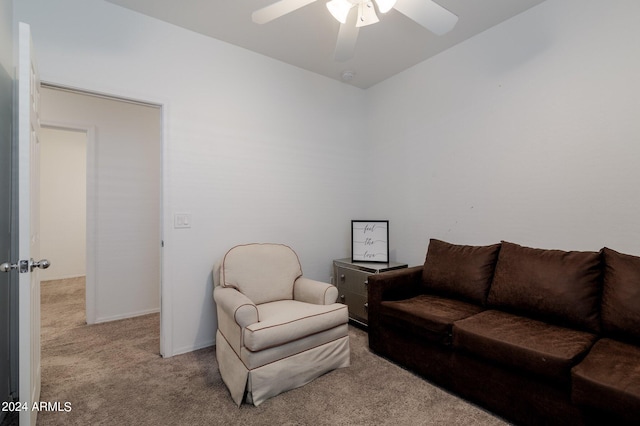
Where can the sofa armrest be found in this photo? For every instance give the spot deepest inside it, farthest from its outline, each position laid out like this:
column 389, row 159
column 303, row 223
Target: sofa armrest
column 316, row 292
column 392, row 285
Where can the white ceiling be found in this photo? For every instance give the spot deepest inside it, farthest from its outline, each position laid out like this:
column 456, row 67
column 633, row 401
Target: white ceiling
column 306, row 37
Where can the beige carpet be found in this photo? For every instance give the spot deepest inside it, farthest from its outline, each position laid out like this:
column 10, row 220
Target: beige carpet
column 111, row 374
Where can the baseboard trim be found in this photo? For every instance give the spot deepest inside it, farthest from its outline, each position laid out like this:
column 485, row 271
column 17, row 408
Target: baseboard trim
column 125, row 316
column 191, row 348
column 65, row 277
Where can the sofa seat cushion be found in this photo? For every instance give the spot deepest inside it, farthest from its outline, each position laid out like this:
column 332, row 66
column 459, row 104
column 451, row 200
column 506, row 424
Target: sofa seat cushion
column 609, row 378
column 429, row 316
column 523, row 343
column 288, row 320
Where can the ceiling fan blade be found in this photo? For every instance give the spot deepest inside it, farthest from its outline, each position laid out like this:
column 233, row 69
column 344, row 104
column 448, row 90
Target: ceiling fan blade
column 430, row 15
column 277, row 9
column 347, row 37
column 346, row 44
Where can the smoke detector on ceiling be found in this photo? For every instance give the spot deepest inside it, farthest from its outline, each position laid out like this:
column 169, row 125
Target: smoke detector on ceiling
column 348, row 75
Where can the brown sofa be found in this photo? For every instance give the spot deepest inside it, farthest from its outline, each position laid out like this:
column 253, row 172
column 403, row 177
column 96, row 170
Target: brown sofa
column 535, row 336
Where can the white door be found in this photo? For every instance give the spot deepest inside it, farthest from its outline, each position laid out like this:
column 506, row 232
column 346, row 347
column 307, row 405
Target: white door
column 28, row 127
column 28, row 234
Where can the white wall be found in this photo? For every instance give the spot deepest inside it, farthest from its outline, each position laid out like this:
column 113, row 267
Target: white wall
column 123, row 271
column 255, row 150
column 63, row 202
column 528, row 132
column 6, row 35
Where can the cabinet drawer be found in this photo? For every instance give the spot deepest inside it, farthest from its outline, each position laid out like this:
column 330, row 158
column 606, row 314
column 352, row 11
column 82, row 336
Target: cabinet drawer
column 357, row 305
column 353, row 281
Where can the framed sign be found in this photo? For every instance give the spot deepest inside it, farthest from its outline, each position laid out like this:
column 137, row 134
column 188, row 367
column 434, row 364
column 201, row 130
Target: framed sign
column 370, row 241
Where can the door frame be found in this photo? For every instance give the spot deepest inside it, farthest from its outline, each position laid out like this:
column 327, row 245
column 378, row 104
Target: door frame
column 165, row 289
column 7, row 136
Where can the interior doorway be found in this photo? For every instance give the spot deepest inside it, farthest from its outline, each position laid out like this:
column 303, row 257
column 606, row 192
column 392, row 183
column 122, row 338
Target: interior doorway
column 123, row 152
column 63, row 201
column 63, row 211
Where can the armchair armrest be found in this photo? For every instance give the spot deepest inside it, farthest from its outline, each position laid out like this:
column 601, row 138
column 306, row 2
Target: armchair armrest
column 236, row 306
column 316, row 292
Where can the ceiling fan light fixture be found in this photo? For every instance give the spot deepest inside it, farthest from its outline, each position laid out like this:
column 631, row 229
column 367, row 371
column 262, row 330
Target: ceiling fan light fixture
column 366, row 14
column 340, row 9
column 385, row 5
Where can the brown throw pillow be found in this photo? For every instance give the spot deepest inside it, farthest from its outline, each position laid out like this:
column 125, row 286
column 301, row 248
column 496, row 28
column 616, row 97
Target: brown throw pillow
column 459, row 270
column 621, row 294
column 554, row 285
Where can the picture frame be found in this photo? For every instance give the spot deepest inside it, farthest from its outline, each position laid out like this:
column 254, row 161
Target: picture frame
column 370, row 241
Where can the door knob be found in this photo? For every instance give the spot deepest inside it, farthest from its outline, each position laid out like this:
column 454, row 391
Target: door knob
column 42, row 264
column 6, row 266
column 24, row 266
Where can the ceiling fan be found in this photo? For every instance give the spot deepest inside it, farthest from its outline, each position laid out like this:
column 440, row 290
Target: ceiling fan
column 353, row 14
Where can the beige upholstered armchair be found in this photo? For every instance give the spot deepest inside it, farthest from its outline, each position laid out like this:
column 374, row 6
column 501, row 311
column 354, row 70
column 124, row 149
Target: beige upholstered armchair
column 277, row 330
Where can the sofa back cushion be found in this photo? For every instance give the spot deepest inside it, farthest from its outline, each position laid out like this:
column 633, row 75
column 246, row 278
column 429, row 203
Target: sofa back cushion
column 621, row 295
column 459, row 270
column 554, row 285
column 262, row 272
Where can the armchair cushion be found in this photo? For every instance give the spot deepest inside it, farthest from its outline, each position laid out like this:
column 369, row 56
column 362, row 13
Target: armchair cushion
column 284, row 321
column 263, row 272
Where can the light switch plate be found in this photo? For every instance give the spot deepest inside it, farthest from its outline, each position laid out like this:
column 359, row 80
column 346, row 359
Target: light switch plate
column 182, row 220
